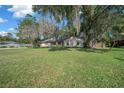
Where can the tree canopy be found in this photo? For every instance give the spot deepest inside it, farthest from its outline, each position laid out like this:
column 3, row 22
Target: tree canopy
column 96, row 22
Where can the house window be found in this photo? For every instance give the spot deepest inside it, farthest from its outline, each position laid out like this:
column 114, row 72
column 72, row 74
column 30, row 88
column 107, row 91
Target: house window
column 78, row 43
column 67, row 43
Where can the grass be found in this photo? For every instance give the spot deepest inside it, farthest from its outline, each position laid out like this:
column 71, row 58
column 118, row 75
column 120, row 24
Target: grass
column 61, row 68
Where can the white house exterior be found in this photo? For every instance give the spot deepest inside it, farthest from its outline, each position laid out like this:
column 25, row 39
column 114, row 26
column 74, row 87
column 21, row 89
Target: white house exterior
column 73, row 42
column 45, row 44
column 69, row 42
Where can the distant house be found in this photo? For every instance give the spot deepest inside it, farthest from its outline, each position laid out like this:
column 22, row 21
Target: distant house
column 9, row 44
column 68, row 42
column 13, row 44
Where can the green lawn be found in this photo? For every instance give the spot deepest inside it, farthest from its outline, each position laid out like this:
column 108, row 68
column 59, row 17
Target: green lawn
column 61, row 68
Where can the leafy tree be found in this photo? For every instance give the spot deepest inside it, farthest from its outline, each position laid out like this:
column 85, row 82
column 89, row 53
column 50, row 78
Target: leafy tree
column 98, row 23
column 7, row 37
column 28, row 30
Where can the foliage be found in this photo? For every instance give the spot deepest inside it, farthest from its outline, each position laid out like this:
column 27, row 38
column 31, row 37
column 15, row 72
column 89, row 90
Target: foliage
column 8, row 37
column 28, row 30
column 98, row 23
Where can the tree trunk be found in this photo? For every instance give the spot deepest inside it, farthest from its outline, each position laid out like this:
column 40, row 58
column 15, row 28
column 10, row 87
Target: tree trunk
column 112, row 45
column 87, row 43
column 77, row 12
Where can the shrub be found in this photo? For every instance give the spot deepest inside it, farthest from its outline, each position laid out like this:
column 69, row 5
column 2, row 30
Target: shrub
column 12, row 46
column 3, row 46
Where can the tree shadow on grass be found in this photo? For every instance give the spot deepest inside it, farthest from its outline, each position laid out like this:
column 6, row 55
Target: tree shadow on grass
column 93, row 50
column 118, row 49
column 120, row 59
column 59, row 49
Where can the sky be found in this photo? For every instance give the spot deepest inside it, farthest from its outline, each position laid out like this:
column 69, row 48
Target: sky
column 10, row 16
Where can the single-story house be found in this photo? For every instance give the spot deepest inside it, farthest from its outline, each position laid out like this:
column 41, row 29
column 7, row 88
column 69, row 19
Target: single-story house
column 67, row 42
column 9, row 44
